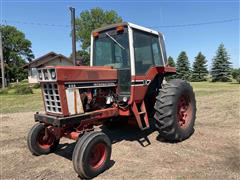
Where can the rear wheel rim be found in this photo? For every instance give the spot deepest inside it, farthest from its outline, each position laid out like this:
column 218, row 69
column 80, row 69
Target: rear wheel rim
column 184, row 113
column 45, row 140
column 97, row 156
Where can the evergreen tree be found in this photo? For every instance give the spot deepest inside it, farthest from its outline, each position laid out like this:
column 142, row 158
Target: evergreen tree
column 171, row 62
column 199, row 68
column 221, row 67
column 183, row 66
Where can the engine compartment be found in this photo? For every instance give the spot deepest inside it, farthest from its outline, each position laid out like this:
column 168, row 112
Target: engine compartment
column 98, row 98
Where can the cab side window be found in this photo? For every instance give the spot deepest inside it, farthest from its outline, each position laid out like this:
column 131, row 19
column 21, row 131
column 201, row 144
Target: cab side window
column 156, row 52
column 146, row 50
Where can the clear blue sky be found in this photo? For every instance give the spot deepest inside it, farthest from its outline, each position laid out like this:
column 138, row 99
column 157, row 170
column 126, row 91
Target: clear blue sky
column 192, row 39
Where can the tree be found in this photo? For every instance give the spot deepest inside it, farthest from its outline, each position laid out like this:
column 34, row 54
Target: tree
column 171, row 62
column 82, row 58
column 16, row 52
column 200, row 71
column 221, row 67
column 236, row 74
column 90, row 20
column 183, row 66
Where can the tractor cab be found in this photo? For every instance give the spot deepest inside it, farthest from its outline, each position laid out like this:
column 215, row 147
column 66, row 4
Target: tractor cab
column 131, row 49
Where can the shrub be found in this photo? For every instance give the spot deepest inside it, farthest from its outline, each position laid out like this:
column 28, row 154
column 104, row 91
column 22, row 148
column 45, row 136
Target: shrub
column 23, row 90
column 238, row 79
column 236, row 74
column 4, row 91
column 25, row 81
column 36, row 86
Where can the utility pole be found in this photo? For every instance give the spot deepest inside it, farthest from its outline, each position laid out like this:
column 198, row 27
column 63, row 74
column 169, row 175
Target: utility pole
column 2, row 62
column 73, row 35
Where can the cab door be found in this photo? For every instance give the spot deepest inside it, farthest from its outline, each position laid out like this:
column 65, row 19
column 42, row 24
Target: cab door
column 124, row 72
column 147, row 57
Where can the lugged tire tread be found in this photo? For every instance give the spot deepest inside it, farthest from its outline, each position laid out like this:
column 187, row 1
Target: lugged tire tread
column 165, row 121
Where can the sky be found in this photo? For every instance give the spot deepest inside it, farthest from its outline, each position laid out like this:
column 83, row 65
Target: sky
column 35, row 19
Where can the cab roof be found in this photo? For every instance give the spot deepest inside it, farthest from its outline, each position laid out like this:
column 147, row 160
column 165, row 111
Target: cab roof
column 127, row 24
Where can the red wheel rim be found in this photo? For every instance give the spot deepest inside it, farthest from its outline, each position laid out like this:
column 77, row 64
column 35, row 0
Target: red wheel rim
column 97, row 156
column 45, row 140
column 184, row 113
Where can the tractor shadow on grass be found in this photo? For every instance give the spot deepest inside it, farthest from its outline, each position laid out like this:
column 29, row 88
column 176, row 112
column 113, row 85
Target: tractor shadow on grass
column 116, row 133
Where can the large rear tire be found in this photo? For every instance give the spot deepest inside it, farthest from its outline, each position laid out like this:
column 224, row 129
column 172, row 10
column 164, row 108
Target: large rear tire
column 175, row 110
column 91, row 155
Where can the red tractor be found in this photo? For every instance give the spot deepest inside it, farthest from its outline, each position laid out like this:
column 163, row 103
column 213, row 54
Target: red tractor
column 125, row 80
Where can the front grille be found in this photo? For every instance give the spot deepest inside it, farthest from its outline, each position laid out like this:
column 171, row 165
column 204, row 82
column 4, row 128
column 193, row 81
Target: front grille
column 51, row 98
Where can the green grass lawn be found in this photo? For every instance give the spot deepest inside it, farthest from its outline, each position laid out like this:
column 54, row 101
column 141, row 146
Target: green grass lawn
column 11, row 103
column 209, row 88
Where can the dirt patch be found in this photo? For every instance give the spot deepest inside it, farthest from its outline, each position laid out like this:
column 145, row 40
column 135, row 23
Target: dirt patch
column 212, row 152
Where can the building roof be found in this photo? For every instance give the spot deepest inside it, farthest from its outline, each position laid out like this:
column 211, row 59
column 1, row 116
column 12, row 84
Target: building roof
column 44, row 59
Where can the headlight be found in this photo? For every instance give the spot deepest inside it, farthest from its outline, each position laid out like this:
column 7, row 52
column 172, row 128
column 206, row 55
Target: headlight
column 45, row 73
column 53, row 73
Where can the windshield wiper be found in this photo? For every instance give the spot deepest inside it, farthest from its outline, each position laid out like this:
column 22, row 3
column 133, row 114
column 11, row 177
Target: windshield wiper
column 114, row 40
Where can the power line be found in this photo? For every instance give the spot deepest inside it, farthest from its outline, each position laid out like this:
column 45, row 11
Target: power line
column 198, row 24
column 164, row 26
column 36, row 24
column 120, row 1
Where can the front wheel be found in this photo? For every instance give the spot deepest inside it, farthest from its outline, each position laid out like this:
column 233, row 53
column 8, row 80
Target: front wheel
column 41, row 141
column 175, row 110
column 91, row 155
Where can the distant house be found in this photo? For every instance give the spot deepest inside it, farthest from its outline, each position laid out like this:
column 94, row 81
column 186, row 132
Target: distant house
column 49, row 59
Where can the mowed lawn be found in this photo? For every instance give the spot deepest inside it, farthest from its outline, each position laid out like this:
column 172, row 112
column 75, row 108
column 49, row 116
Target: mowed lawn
column 209, row 88
column 11, row 103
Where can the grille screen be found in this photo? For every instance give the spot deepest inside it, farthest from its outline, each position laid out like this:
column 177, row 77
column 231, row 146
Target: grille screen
column 51, row 98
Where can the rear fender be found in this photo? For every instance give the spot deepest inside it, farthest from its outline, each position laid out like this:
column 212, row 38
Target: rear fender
column 141, row 83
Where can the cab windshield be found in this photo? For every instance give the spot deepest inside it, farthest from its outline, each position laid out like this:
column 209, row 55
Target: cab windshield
column 111, row 49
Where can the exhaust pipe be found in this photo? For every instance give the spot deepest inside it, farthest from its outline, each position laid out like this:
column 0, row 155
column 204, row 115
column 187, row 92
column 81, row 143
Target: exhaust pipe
column 73, row 35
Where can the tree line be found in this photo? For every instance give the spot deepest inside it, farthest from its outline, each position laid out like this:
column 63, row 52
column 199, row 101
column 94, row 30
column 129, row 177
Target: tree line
column 220, row 71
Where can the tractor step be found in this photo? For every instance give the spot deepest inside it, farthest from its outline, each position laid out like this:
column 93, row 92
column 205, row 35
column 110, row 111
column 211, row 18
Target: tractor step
column 145, row 128
column 141, row 115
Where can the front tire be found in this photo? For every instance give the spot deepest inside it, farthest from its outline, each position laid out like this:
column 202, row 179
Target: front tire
column 175, row 111
column 91, row 155
column 39, row 143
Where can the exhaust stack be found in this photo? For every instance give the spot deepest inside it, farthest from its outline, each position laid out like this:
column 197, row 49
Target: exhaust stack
column 73, row 35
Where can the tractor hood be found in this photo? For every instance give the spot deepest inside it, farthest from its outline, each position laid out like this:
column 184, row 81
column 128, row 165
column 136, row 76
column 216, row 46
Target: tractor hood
column 77, row 74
